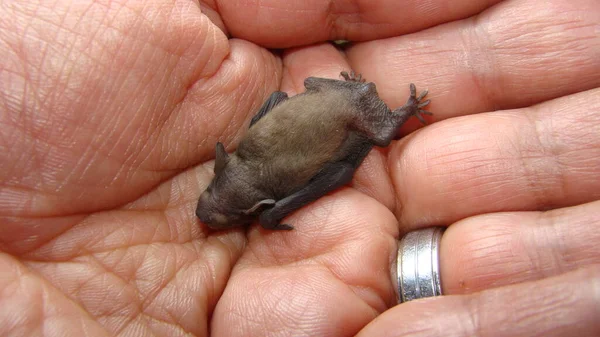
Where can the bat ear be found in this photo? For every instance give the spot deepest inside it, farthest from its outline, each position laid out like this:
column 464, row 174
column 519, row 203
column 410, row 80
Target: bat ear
column 221, row 158
column 259, row 205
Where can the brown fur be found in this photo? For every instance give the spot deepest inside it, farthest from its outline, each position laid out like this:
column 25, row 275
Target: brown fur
column 295, row 139
column 327, row 129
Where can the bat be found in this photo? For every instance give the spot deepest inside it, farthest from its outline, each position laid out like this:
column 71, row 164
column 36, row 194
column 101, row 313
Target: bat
column 300, row 148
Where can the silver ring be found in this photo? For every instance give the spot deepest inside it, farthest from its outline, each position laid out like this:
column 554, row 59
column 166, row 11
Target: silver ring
column 417, row 265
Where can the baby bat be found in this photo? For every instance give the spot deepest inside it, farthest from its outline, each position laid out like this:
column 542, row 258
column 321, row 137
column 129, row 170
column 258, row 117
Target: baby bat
column 298, row 149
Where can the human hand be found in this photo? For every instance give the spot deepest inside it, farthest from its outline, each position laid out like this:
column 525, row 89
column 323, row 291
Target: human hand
column 109, row 108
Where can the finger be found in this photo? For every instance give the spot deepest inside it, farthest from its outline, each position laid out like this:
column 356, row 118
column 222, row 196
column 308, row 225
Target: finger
column 327, row 277
column 276, row 24
column 322, row 60
column 565, row 305
column 538, row 158
column 122, row 116
column 514, row 54
column 499, row 249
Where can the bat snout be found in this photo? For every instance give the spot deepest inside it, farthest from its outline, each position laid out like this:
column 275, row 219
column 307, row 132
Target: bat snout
column 204, row 209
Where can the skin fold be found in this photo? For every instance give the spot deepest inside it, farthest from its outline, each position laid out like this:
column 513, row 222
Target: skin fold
column 109, row 116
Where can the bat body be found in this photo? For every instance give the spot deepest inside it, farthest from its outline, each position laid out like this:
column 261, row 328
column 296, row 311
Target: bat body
column 300, row 148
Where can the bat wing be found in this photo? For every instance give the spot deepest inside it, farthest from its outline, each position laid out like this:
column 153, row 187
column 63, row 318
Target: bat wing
column 273, row 100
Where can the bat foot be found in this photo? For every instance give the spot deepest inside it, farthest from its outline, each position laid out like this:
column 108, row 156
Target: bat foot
column 352, row 77
column 415, row 104
column 283, row 227
column 269, row 219
column 279, row 227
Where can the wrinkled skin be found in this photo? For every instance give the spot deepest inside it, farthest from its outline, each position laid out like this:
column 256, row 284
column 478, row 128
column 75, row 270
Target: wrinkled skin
column 108, row 118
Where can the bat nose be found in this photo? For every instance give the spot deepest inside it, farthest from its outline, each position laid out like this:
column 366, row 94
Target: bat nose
column 202, row 213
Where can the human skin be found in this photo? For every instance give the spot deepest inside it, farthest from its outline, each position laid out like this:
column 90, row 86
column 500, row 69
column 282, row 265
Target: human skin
column 109, row 113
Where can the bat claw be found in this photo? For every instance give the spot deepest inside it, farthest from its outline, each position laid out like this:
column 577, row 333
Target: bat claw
column 424, row 103
column 413, row 91
column 283, row 227
column 417, row 103
column 420, row 118
column 352, row 77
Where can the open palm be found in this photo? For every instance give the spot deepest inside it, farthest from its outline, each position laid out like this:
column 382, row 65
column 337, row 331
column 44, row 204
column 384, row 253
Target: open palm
column 109, row 116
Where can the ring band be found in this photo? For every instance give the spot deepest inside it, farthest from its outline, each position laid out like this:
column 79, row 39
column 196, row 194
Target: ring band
column 417, row 265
